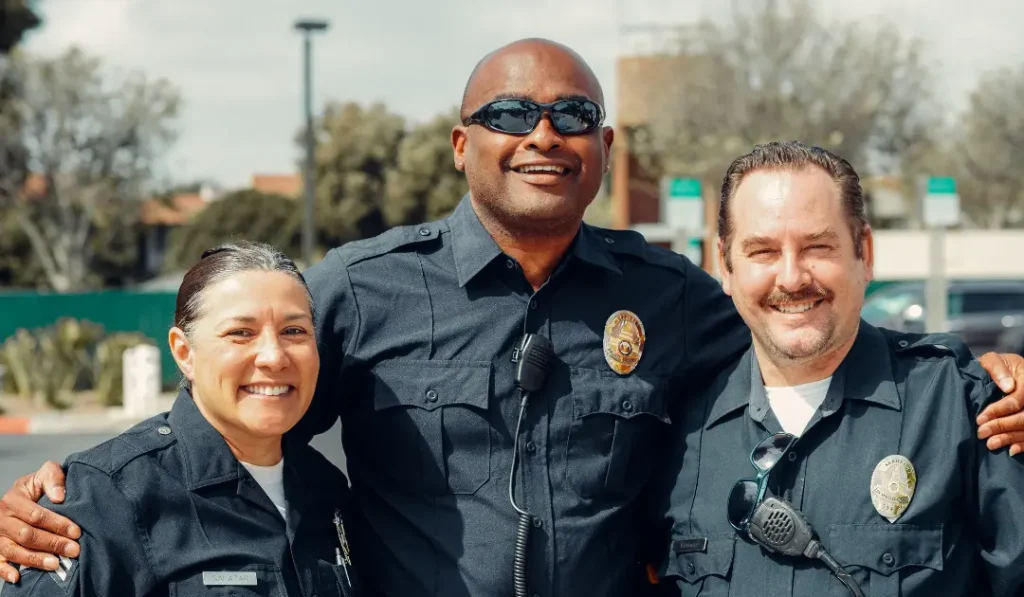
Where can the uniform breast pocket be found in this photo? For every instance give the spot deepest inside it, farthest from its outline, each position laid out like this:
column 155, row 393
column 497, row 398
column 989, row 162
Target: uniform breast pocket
column 336, row 581
column 429, row 430
column 882, row 558
column 703, row 564
column 611, row 437
column 254, row 580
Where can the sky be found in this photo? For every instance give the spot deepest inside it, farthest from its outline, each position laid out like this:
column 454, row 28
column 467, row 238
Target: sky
column 238, row 63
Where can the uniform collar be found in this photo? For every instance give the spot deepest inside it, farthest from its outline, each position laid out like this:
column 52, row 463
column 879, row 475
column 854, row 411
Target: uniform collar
column 474, row 248
column 208, row 459
column 865, row 374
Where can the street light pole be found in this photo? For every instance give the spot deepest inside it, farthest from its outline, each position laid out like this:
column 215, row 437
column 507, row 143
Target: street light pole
column 307, row 27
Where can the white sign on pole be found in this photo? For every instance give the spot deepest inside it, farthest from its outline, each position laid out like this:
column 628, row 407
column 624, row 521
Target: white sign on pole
column 682, row 205
column 941, row 202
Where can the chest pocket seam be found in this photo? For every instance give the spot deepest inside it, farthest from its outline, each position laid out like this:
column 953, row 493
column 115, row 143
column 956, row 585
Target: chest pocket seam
column 610, row 438
column 431, row 417
column 695, row 567
column 867, row 545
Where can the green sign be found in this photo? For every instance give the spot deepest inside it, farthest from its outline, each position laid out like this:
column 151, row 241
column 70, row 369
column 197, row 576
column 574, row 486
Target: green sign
column 941, row 185
column 684, row 188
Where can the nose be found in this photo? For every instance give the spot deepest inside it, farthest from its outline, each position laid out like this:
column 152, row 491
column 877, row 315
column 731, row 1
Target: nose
column 544, row 137
column 269, row 352
column 793, row 274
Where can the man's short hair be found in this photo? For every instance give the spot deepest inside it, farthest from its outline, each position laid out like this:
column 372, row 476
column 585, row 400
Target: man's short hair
column 794, row 155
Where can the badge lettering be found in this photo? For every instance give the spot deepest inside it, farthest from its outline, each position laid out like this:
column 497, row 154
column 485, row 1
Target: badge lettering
column 892, row 486
column 624, row 339
column 229, row 579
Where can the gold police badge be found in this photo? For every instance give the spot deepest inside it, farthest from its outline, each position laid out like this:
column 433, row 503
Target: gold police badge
column 892, row 486
column 624, row 339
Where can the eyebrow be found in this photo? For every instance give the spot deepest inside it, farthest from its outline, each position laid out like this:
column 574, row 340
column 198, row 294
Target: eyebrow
column 758, row 241
column 247, row 319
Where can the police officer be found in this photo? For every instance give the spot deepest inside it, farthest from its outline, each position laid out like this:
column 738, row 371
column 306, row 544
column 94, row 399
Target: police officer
column 207, row 499
column 419, row 330
column 868, row 433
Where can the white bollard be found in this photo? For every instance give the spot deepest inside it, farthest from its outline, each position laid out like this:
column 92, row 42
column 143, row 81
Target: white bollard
column 141, row 371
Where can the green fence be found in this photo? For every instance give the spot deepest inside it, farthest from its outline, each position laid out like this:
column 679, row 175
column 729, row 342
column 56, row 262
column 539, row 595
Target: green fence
column 150, row 313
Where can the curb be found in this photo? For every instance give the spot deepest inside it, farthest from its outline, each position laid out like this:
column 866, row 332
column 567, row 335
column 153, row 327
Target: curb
column 53, row 424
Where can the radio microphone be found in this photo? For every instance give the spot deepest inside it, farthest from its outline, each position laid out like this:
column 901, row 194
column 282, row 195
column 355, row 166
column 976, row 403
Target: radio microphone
column 780, row 528
column 533, row 359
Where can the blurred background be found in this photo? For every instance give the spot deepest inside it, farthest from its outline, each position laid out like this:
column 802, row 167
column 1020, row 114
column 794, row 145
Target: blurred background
column 136, row 133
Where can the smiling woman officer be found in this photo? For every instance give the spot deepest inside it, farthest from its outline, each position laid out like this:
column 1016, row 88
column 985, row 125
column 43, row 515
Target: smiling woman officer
column 208, row 498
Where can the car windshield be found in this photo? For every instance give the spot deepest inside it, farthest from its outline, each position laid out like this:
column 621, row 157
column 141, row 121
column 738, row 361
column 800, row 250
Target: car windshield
column 881, row 306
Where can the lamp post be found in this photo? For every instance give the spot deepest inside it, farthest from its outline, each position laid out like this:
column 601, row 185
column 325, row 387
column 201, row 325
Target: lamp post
column 308, row 27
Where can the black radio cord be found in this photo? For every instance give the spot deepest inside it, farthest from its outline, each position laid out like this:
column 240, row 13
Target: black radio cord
column 523, row 527
column 816, row 550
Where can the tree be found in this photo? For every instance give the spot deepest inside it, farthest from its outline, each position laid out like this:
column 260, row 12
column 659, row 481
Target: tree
column 775, row 72
column 246, row 214
column 356, row 148
column 16, row 19
column 424, row 185
column 989, row 144
column 94, row 140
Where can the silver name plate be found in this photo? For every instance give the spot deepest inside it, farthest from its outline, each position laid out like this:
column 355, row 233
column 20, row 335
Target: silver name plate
column 234, row 579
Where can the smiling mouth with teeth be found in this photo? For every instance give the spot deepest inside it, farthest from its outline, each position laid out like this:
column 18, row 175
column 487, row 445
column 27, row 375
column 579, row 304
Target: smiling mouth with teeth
column 541, row 169
column 797, row 308
column 269, row 391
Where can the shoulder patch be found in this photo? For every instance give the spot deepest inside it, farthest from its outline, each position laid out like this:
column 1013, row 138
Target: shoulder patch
column 631, row 242
column 389, row 240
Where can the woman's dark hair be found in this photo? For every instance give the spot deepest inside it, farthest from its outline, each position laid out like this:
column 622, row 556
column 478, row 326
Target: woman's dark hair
column 221, row 262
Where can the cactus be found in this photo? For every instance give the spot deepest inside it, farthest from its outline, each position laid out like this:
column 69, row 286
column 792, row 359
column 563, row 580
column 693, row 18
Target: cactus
column 20, row 358
column 108, row 371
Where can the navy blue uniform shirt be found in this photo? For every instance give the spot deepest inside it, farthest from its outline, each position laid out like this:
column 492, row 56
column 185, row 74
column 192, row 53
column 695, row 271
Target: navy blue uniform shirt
column 417, row 329
column 166, row 509
column 915, row 396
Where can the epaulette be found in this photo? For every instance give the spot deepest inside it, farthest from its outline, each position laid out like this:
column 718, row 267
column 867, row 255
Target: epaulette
column 114, row 454
column 632, row 243
column 388, row 241
column 931, row 346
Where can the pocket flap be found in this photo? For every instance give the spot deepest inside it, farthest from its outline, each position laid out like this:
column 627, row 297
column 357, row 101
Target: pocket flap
column 431, row 384
column 595, row 392
column 694, row 558
column 886, row 548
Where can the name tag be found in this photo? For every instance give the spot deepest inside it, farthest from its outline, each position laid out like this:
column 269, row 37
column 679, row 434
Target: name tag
column 234, row 579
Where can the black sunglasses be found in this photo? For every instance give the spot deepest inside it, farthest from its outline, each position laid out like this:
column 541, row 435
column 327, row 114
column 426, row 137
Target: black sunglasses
column 748, row 493
column 520, row 116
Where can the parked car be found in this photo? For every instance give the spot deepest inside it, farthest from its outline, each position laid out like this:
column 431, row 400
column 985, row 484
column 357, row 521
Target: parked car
column 983, row 313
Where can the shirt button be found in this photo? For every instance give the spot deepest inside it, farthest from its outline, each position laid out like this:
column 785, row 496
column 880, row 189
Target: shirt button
column 792, row 456
column 533, row 304
column 164, row 430
column 537, row 522
column 432, row 395
column 424, row 232
column 510, row 264
column 610, row 241
column 888, row 560
column 531, row 447
column 627, row 405
column 690, row 568
column 903, row 343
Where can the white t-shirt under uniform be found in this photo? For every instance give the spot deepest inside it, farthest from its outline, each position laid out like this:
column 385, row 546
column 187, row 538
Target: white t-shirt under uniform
column 795, row 405
column 271, row 479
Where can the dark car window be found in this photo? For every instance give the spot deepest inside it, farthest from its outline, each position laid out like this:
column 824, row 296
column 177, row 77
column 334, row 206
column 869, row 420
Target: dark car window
column 992, row 301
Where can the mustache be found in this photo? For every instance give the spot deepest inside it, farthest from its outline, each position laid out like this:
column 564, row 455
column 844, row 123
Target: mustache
column 811, row 293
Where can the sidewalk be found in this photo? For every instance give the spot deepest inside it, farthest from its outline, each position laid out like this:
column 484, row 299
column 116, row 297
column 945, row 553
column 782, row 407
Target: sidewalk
column 111, row 420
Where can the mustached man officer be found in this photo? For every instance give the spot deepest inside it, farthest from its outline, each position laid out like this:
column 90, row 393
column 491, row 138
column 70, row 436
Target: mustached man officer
column 878, row 446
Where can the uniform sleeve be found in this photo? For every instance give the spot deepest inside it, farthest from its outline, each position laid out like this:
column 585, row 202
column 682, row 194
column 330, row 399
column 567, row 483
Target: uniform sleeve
column 337, row 323
column 1000, row 501
column 112, row 559
column 714, row 333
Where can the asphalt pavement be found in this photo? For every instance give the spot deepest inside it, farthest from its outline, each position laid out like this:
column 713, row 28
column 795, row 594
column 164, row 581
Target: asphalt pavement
column 21, row 454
